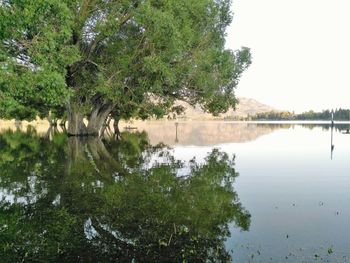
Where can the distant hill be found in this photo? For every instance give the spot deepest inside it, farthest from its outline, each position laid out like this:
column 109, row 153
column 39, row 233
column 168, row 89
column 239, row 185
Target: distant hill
column 251, row 106
column 246, row 106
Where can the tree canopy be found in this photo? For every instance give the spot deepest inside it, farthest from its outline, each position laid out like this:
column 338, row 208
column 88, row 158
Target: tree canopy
column 136, row 57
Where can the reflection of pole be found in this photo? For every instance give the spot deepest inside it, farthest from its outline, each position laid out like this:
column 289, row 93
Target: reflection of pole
column 332, row 145
column 332, row 117
column 176, row 139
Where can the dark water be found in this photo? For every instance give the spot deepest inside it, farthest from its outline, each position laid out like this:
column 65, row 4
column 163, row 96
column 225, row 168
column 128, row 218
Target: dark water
column 215, row 192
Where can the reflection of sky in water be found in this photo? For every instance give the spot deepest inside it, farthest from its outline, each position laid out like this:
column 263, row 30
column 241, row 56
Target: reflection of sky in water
column 298, row 197
column 31, row 197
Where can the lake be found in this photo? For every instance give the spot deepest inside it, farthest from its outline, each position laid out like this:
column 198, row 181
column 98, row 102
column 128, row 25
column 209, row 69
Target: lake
column 177, row 192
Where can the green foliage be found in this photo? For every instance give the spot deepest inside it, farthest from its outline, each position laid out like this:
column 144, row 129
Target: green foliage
column 136, row 55
column 34, row 54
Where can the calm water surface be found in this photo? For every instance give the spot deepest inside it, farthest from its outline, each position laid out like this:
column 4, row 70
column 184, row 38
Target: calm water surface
column 193, row 192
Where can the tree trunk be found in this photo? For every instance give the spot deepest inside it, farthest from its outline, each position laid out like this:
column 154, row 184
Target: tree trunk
column 98, row 117
column 76, row 125
column 106, row 125
column 116, row 128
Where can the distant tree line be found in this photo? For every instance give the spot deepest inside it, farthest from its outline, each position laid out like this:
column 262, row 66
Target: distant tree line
column 338, row 114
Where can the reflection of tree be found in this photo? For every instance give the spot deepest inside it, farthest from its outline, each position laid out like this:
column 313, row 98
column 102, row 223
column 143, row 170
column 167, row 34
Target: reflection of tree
column 87, row 201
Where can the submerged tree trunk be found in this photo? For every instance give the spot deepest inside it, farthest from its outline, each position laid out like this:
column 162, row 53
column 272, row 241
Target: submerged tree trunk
column 98, row 118
column 106, row 125
column 76, row 125
column 116, row 128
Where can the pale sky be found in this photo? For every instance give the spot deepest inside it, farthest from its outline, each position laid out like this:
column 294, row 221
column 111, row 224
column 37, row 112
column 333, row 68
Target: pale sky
column 300, row 49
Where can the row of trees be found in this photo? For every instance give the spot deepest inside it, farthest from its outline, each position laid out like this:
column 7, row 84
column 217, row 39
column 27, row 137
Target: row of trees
column 93, row 59
column 338, row 114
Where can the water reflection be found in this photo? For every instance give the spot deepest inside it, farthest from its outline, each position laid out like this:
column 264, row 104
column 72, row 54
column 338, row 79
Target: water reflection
column 218, row 132
column 332, row 144
column 74, row 200
column 206, row 133
column 341, row 128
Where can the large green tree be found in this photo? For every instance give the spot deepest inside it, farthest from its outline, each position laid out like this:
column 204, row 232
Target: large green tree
column 94, row 56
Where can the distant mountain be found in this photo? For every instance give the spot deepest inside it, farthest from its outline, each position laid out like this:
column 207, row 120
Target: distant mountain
column 251, row 106
column 246, row 106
